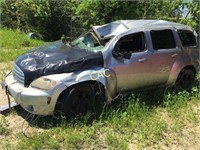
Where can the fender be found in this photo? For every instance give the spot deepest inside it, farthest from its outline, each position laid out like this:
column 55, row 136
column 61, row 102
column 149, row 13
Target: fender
column 105, row 76
column 176, row 69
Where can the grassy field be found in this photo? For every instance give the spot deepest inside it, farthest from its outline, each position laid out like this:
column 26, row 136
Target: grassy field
column 152, row 119
column 132, row 122
column 14, row 43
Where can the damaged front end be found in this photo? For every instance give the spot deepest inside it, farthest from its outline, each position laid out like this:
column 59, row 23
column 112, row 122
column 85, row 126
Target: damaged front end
column 43, row 73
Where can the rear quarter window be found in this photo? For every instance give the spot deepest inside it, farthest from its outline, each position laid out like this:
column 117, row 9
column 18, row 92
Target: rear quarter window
column 187, row 38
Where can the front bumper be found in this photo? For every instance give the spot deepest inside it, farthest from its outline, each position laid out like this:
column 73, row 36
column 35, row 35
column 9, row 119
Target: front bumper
column 35, row 101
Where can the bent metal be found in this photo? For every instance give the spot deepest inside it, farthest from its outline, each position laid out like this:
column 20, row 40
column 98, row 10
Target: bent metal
column 121, row 55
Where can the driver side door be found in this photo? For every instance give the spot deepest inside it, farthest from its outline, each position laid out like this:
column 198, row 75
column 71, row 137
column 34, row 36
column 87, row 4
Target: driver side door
column 132, row 62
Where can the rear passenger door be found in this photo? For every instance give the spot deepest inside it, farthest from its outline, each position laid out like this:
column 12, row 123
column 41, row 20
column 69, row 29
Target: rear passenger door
column 165, row 52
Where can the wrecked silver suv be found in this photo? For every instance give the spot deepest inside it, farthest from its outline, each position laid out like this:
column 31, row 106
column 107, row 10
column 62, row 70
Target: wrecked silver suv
column 122, row 55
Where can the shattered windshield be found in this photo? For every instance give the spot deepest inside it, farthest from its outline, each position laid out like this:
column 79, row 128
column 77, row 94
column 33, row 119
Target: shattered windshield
column 89, row 41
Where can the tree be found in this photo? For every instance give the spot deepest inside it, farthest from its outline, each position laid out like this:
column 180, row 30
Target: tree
column 49, row 18
column 98, row 12
column 71, row 17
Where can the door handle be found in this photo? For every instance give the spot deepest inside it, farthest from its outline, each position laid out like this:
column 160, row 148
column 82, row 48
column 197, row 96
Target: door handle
column 141, row 60
column 174, row 55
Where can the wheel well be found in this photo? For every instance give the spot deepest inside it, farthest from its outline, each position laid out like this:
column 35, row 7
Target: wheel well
column 187, row 67
column 191, row 68
column 98, row 86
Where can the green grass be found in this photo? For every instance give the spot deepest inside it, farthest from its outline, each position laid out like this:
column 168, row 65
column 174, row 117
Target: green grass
column 125, row 122
column 13, row 39
column 11, row 55
column 14, row 43
column 3, row 126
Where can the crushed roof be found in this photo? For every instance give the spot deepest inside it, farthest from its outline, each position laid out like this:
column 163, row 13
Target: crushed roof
column 120, row 26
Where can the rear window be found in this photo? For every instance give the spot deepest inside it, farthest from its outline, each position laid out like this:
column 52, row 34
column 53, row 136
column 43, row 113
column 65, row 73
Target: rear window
column 187, row 38
column 162, row 39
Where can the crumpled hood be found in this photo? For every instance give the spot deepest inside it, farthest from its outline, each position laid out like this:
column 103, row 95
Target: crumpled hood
column 56, row 58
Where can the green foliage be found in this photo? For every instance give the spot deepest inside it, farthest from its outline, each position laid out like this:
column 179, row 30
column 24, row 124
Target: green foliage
column 101, row 12
column 51, row 19
column 48, row 18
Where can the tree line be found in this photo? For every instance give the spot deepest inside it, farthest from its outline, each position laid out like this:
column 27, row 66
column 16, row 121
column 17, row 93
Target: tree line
column 53, row 18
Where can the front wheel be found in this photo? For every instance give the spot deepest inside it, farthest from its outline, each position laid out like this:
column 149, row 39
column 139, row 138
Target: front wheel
column 185, row 79
column 78, row 100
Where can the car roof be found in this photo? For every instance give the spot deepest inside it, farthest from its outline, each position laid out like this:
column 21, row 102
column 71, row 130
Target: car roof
column 121, row 26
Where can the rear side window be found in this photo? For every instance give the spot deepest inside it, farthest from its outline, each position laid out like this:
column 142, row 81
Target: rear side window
column 187, row 38
column 162, row 39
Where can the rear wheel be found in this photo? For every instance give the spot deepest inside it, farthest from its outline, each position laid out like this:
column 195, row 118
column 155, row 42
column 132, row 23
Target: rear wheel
column 186, row 79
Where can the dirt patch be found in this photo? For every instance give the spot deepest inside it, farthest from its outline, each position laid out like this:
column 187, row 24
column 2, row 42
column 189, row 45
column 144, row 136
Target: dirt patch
column 4, row 68
column 18, row 122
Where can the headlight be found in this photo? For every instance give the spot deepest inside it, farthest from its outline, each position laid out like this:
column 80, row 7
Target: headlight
column 44, row 83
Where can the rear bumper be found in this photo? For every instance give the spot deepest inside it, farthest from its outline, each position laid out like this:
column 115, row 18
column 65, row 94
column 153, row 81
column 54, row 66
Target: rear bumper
column 35, row 101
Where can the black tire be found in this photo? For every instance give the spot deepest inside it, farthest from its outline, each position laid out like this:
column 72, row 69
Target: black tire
column 78, row 101
column 185, row 79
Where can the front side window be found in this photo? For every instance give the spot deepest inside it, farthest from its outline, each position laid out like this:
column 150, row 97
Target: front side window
column 132, row 43
column 187, row 38
column 162, row 39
